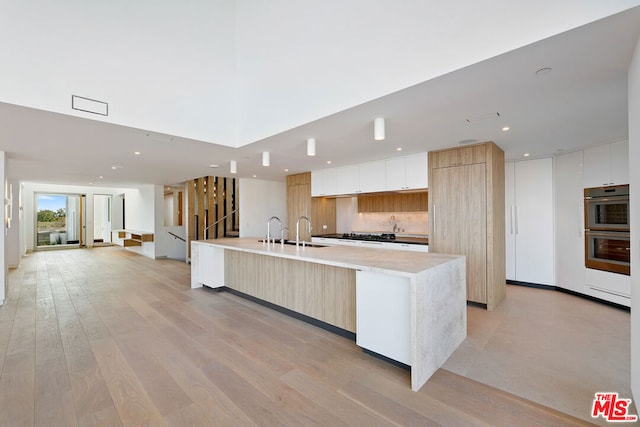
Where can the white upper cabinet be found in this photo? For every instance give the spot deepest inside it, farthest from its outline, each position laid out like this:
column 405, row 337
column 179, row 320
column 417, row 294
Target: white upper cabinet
column 606, row 164
column 347, row 179
column 403, row 173
column 323, row 183
column 407, row 173
column 372, row 177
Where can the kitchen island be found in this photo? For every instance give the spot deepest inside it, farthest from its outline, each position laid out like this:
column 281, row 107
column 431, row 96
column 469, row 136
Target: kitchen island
column 406, row 306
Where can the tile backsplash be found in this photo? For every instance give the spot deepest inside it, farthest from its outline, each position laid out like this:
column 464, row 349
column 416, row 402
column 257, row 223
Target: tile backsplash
column 383, row 222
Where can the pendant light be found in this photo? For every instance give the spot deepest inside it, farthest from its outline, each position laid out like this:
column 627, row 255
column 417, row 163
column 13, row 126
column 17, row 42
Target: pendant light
column 378, row 129
column 311, row 146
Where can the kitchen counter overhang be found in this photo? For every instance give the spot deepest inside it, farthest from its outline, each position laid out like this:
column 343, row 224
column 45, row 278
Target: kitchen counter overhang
column 421, row 295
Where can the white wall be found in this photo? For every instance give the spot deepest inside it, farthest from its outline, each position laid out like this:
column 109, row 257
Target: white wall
column 634, row 188
column 144, row 211
column 259, row 201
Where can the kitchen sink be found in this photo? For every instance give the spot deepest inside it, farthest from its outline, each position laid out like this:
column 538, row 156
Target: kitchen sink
column 293, row 242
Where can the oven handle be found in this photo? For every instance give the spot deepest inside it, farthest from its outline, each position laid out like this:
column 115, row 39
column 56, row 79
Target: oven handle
column 612, row 234
column 590, row 199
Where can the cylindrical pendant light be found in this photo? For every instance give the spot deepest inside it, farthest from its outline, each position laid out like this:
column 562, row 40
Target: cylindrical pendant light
column 265, row 158
column 311, row 146
column 233, row 166
column 378, row 129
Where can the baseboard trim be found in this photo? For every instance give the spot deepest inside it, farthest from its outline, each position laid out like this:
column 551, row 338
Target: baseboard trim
column 387, row 359
column 570, row 292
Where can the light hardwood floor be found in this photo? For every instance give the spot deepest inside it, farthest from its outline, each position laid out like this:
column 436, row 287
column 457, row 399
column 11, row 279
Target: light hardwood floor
column 107, row 337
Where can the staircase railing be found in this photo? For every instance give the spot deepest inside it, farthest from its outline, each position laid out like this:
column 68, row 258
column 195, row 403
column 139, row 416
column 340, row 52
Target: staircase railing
column 175, row 236
column 219, row 220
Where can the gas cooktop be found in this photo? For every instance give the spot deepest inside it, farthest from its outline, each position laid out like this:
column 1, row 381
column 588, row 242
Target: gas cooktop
column 378, row 237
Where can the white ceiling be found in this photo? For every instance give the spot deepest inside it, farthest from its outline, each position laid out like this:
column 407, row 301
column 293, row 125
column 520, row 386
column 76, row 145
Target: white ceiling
column 581, row 102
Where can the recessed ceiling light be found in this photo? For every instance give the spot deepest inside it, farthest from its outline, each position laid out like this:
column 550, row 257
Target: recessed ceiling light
column 100, row 177
column 286, row 170
column 506, row 128
column 328, row 162
column 137, row 153
column 399, row 149
column 214, row 166
column 526, row 154
column 254, row 176
column 542, row 71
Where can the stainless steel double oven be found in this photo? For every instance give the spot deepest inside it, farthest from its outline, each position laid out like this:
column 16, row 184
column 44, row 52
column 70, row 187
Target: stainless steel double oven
column 606, row 211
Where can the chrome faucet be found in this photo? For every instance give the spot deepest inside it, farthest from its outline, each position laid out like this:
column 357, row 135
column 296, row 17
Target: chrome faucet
column 269, row 229
column 298, row 229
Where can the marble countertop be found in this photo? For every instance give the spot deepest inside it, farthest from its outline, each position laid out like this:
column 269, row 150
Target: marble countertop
column 400, row 263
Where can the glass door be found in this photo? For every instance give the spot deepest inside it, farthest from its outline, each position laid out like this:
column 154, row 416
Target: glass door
column 59, row 220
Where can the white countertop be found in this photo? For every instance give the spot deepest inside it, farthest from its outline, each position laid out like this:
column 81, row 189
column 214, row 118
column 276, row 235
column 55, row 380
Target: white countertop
column 401, row 263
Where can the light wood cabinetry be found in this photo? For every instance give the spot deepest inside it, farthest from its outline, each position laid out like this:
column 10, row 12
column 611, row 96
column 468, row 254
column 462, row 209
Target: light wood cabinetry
column 468, row 155
column 466, row 205
column 402, row 202
column 323, row 215
column 606, row 164
column 323, row 292
column 128, row 238
column 298, row 203
column 320, row 210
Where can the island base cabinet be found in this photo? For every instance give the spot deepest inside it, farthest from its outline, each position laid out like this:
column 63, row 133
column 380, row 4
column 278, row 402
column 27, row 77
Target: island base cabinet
column 209, row 268
column 319, row 291
column 383, row 322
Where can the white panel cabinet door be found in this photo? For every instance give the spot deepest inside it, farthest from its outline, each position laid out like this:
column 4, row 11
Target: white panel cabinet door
column 383, row 315
column 347, row 179
column 606, row 164
column 531, row 216
column 416, row 171
column 319, row 185
column 569, row 215
column 210, row 265
column 372, row 177
column 619, row 162
column 407, row 173
column 395, row 174
column 596, row 166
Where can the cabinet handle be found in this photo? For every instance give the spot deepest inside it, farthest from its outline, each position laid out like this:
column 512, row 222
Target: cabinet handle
column 516, row 216
column 433, row 220
column 580, row 218
column 511, row 220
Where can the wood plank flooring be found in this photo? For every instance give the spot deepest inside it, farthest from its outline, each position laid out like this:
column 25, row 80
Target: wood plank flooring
column 107, row 337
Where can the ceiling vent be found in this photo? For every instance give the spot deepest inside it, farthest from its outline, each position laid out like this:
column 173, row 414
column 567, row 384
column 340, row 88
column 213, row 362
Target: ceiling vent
column 89, row 105
column 483, row 117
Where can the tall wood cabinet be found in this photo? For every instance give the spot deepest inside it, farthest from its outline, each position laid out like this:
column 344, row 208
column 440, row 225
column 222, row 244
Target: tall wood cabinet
column 320, row 210
column 466, row 209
